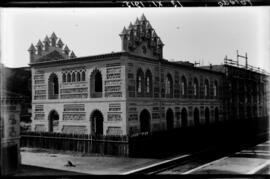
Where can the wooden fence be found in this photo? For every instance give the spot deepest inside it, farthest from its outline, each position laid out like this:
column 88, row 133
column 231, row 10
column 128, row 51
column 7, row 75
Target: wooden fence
column 156, row 144
column 84, row 143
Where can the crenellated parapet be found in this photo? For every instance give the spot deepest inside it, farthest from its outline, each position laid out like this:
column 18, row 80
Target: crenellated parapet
column 50, row 49
column 141, row 39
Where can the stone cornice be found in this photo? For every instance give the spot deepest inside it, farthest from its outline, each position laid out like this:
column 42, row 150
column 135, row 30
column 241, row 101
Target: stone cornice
column 113, row 56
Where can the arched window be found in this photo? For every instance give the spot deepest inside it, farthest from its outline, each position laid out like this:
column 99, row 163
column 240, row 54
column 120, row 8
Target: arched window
column 78, row 76
column 148, row 82
column 83, row 76
column 215, row 88
column 140, row 82
column 96, row 84
column 195, row 87
column 206, row 88
column 53, row 87
column 169, row 86
column 183, row 86
column 68, row 77
column 64, row 78
column 73, row 77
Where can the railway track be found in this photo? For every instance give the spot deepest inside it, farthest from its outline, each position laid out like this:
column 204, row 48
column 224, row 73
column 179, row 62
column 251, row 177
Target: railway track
column 186, row 162
column 186, row 159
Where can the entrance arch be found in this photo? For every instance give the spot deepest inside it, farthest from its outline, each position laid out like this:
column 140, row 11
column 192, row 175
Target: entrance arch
column 169, row 119
column 216, row 115
column 145, row 119
column 207, row 116
column 53, row 121
column 196, row 117
column 96, row 123
column 184, row 120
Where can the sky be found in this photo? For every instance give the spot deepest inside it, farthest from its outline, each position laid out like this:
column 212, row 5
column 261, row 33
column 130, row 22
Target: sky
column 204, row 35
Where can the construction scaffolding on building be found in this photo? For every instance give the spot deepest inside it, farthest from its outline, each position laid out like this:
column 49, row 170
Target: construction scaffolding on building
column 246, row 91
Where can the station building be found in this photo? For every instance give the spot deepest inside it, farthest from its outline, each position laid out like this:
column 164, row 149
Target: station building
column 123, row 93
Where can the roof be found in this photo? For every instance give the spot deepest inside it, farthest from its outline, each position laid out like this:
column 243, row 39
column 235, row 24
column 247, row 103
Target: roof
column 218, row 68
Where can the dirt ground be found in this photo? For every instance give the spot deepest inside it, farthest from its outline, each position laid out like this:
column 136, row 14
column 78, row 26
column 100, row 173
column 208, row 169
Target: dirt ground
column 86, row 164
column 27, row 170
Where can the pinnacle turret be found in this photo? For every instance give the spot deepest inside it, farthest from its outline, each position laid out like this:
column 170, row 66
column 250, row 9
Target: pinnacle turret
column 66, row 50
column 39, row 44
column 32, row 48
column 46, row 42
column 32, row 51
column 60, row 44
column 159, row 42
column 124, row 31
column 72, row 55
column 53, row 39
column 148, row 26
column 137, row 22
column 130, row 26
column 154, row 34
column 39, row 47
column 46, row 39
column 143, row 18
column 53, row 36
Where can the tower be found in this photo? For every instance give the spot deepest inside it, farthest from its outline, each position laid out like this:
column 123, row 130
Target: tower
column 50, row 49
column 141, row 39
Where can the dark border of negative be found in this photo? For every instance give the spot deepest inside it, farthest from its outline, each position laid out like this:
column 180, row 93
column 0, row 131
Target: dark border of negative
column 135, row 3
